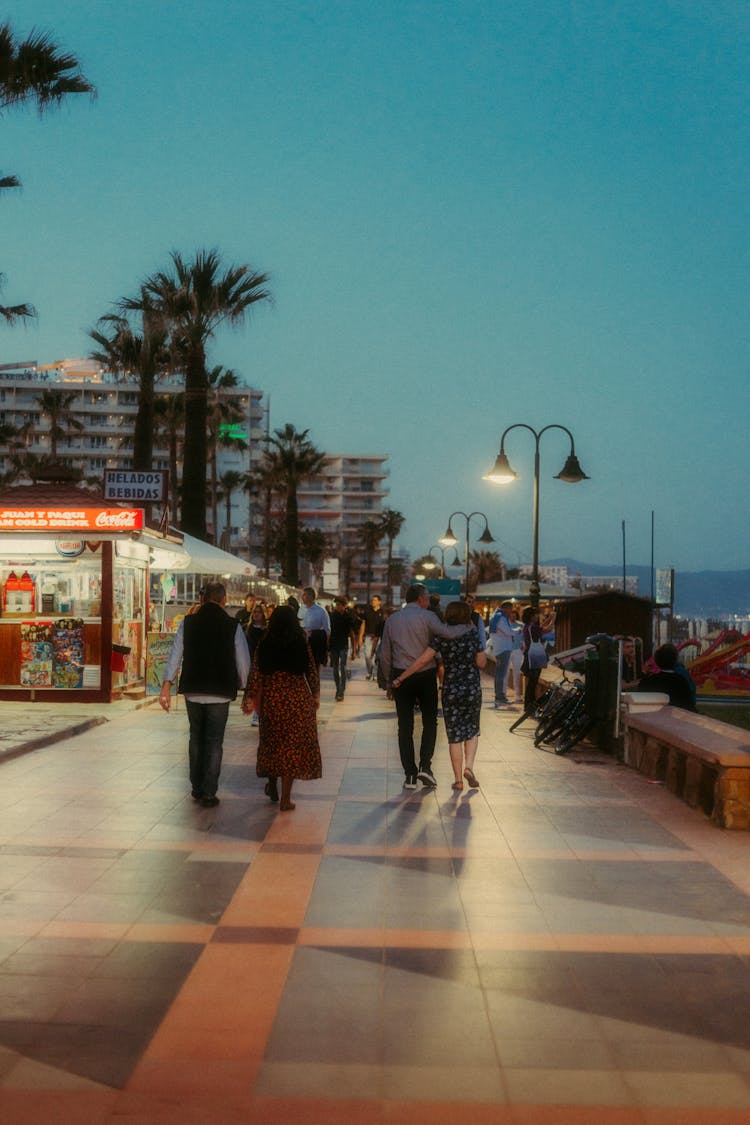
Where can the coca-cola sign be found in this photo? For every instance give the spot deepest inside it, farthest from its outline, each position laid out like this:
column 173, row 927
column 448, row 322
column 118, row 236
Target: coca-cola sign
column 125, row 519
column 71, row 519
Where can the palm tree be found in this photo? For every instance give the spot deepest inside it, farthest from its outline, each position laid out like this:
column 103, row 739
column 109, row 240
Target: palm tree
column 195, row 298
column 33, row 69
column 55, row 403
column 221, row 414
column 290, row 458
column 391, row 522
column 370, row 535
column 313, row 545
column 169, row 418
column 486, row 566
column 140, row 356
column 228, row 485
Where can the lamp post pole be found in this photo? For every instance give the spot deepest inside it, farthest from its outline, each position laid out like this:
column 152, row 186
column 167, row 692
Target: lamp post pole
column 449, row 539
column 502, row 473
column 437, row 547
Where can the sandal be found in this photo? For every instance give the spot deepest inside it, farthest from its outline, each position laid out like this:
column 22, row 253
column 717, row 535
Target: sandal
column 271, row 790
column 473, row 783
column 458, row 786
column 287, row 806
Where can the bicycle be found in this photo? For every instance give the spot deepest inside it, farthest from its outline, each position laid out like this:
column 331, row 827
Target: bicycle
column 558, row 707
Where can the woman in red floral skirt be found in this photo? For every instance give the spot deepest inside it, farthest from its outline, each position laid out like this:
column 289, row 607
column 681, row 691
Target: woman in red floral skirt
column 284, row 689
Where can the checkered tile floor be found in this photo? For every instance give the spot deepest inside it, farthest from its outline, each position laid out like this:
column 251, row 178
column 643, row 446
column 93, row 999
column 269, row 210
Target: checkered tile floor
column 568, row 944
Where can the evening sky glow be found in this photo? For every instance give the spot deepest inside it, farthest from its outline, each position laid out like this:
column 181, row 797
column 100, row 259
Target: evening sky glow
column 473, row 214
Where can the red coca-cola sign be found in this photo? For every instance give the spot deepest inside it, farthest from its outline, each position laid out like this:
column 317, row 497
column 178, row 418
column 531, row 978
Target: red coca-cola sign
column 71, row 519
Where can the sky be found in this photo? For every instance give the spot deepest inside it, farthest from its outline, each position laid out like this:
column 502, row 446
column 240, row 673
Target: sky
column 473, row 214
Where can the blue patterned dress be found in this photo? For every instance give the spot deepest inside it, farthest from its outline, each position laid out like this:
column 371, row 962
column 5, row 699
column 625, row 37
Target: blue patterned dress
column 462, row 686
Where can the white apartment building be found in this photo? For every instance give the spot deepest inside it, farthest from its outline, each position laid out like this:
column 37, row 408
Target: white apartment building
column 107, row 406
column 350, row 491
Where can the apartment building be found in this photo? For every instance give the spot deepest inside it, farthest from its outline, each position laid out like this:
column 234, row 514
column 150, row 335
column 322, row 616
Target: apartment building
column 107, row 406
column 350, row 491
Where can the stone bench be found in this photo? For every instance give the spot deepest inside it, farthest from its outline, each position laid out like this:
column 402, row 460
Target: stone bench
column 702, row 760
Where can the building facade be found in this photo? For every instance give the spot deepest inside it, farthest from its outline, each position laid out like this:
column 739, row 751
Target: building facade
column 107, row 405
column 350, row 491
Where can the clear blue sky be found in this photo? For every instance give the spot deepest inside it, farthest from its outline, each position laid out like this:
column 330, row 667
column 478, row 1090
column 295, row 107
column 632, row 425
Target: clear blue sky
column 474, row 214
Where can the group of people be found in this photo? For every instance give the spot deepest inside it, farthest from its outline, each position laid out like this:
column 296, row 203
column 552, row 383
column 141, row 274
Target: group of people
column 519, row 644
column 280, row 684
column 273, row 655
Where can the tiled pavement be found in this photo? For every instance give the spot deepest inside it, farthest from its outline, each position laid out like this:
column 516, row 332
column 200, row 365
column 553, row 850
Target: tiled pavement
column 568, row 944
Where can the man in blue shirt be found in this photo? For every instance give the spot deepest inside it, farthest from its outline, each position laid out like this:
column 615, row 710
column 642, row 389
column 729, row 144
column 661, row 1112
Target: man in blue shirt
column 501, row 634
column 317, row 625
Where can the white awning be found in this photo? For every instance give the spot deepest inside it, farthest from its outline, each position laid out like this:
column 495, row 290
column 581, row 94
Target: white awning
column 204, row 558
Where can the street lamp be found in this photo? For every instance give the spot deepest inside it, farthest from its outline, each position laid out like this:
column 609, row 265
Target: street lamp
column 449, row 539
column 502, row 473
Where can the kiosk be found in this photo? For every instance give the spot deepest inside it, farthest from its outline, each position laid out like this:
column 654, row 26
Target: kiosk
column 74, row 593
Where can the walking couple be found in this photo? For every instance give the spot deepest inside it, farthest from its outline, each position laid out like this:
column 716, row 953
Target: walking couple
column 412, row 640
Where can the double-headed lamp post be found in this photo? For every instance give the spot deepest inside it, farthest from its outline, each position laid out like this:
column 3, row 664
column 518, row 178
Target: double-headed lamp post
column 449, row 539
column 502, row 473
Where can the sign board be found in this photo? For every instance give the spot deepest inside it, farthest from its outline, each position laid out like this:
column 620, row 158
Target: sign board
column 443, row 586
column 665, row 586
column 71, row 519
column 136, row 485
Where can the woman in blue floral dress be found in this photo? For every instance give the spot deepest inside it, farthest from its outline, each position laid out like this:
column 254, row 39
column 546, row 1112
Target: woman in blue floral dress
column 462, row 658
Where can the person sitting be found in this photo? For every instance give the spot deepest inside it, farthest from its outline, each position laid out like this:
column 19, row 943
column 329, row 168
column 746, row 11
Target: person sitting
column 669, row 679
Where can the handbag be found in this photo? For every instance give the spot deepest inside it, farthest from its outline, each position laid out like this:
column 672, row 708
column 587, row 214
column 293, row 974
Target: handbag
column 536, row 655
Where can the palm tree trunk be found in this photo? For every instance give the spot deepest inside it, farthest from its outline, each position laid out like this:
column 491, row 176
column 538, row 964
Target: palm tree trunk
column 143, row 430
column 292, row 537
column 214, row 493
column 196, row 445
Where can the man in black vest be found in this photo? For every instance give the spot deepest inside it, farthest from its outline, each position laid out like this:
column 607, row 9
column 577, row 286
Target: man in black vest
column 212, row 649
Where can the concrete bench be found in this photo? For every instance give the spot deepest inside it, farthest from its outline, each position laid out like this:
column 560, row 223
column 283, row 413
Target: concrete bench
column 703, row 761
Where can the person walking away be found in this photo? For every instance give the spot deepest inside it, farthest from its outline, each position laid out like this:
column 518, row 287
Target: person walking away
column 516, row 657
column 342, row 623
column 534, row 656
column 284, row 687
column 463, row 657
column 211, row 650
column 406, row 634
column 317, row 626
column 382, row 679
column 501, row 635
column 253, row 632
column 476, row 619
column 373, row 617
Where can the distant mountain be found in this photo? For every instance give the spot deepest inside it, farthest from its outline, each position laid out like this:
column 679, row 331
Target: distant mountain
column 701, row 593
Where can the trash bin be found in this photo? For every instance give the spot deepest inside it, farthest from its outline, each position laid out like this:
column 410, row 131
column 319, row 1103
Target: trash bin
column 600, row 673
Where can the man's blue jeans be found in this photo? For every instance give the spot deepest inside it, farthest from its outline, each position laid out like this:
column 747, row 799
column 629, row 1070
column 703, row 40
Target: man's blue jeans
column 502, row 660
column 206, row 746
column 338, row 663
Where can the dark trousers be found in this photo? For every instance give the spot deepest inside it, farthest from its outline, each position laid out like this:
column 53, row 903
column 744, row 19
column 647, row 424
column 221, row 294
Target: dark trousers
column 338, row 663
column 529, row 695
column 420, row 688
column 206, row 746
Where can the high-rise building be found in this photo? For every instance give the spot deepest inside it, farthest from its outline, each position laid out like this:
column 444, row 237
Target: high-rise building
column 349, row 491
column 106, row 405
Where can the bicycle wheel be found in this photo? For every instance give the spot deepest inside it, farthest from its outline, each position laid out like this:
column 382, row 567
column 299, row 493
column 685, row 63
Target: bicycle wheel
column 556, row 717
column 574, row 734
column 543, row 702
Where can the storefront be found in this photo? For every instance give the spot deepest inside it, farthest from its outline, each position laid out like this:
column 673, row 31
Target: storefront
column 73, row 594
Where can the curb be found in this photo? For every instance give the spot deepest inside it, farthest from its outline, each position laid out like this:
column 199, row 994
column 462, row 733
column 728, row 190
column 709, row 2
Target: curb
column 52, row 737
